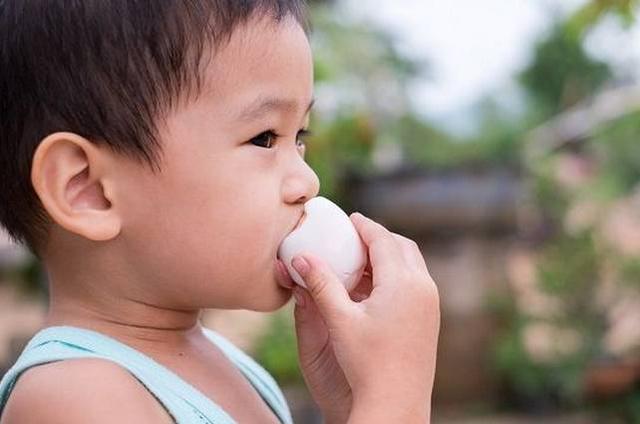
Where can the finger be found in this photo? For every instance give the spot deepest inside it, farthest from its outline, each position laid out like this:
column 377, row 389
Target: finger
column 324, row 287
column 311, row 331
column 414, row 255
column 407, row 254
column 411, row 252
column 384, row 252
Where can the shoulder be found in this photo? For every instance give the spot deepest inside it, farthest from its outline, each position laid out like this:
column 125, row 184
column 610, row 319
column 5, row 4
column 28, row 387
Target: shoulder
column 263, row 381
column 80, row 391
column 240, row 358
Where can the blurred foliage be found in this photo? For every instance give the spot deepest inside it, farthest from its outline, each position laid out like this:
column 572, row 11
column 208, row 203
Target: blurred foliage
column 534, row 387
column 568, row 272
column 28, row 276
column 624, row 409
column 617, row 149
column 573, row 259
column 277, row 351
column 496, row 144
column 562, row 73
column 593, row 11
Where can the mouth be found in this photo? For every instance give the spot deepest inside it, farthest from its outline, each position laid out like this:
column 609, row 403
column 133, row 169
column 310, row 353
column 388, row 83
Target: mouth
column 284, row 279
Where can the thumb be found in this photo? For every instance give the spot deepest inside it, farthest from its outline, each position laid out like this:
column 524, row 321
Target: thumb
column 324, row 287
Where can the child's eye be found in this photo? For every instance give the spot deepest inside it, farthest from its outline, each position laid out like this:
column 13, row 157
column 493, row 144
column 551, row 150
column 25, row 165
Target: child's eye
column 302, row 135
column 264, row 139
column 267, row 138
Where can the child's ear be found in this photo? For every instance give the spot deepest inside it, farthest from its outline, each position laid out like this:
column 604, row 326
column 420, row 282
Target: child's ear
column 73, row 180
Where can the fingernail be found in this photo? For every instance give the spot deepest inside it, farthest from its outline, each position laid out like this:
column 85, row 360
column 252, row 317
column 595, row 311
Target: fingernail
column 298, row 296
column 301, row 265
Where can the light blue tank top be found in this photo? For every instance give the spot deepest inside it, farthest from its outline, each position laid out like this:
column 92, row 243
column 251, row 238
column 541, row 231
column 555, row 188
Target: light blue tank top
column 185, row 403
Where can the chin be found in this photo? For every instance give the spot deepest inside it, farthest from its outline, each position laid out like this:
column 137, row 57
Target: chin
column 271, row 300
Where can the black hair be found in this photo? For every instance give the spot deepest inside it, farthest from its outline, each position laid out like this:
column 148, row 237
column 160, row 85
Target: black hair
column 105, row 70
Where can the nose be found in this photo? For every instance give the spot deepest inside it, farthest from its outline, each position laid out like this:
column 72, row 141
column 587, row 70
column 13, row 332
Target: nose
column 301, row 183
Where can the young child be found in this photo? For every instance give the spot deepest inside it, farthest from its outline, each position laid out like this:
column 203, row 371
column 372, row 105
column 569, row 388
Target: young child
column 151, row 156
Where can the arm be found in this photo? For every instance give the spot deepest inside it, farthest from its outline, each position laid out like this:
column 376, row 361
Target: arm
column 382, row 408
column 387, row 412
column 81, row 391
column 384, row 405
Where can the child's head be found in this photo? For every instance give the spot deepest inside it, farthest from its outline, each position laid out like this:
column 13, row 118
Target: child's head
column 136, row 146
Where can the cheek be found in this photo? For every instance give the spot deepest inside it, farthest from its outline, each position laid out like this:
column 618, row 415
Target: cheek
column 229, row 232
column 204, row 237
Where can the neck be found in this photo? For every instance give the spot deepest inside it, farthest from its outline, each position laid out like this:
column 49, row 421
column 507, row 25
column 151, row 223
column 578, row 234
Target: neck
column 104, row 293
column 124, row 318
column 129, row 321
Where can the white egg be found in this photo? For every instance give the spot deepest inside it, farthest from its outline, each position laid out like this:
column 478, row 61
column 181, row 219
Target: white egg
column 327, row 232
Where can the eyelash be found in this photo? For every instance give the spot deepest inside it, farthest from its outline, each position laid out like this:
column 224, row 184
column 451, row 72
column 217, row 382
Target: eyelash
column 270, row 136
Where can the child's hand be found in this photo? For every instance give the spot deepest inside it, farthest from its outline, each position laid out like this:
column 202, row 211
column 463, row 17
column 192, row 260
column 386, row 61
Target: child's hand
column 324, row 377
column 382, row 348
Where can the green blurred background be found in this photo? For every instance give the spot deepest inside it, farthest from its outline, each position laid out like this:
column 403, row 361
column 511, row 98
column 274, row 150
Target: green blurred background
column 528, row 214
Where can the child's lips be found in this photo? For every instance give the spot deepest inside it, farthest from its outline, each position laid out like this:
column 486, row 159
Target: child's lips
column 284, row 279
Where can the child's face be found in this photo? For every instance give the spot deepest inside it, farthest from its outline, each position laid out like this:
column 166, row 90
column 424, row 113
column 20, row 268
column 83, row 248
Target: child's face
column 205, row 231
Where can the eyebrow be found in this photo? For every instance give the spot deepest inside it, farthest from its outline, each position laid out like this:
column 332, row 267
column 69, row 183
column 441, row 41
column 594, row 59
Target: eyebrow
column 262, row 106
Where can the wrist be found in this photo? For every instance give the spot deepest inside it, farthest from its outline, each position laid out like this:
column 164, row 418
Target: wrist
column 333, row 416
column 382, row 408
column 334, row 420
column 372, row 415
